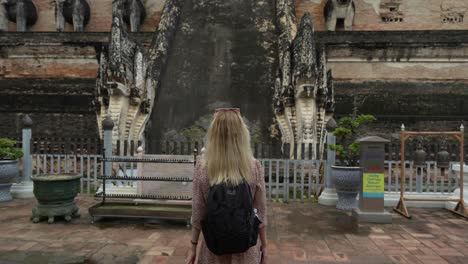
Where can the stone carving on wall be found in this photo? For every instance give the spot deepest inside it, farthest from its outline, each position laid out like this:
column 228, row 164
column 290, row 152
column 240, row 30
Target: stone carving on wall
column 339, row 15
column 75, row 12
column 134, row 14
column 304, row 99
column 452, row 12
column 390, row 11
column 129, row 76
column 21, row 12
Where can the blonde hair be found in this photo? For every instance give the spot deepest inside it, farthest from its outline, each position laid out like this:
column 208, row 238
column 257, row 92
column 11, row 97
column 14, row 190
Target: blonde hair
column 228, row 157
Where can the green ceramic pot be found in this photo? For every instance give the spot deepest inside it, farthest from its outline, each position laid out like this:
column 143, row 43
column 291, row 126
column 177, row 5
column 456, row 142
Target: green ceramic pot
column 51, row 189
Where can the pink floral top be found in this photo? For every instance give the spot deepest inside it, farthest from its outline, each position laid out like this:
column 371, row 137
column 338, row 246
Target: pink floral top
column 201, row 186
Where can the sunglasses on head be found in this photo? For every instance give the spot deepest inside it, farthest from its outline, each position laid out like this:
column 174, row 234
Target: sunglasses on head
column 237, row 110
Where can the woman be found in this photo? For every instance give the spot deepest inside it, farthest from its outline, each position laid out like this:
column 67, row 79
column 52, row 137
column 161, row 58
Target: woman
column 228, row 158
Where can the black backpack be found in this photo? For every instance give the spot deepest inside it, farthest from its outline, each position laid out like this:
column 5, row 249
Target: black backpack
column 230, row 224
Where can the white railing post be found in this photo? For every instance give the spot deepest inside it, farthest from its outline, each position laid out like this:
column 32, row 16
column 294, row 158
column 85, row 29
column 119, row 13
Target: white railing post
column 139, row 169
column 329, row 196
column 107, row 126
column 24, row 187
column 111, row 186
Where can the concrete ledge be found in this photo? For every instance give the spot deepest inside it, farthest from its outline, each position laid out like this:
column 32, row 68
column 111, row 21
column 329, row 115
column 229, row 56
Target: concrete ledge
column 372, row 217
column 22, row 190
column 392, row 198
column 328, row 197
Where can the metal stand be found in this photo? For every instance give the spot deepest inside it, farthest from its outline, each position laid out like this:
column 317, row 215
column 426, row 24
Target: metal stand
column 401, row 206
column 133, row 209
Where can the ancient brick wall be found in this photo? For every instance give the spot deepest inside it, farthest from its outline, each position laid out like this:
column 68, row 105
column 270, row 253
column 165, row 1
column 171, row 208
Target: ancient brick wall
column 48, row 60
column 370, row 14
column 403, row 80
column 100, row 20
column 416, row 14
column 397, row 76
column 52, row 82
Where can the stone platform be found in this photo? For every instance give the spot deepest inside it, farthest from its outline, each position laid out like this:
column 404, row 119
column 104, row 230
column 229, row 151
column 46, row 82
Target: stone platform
column 297, row 233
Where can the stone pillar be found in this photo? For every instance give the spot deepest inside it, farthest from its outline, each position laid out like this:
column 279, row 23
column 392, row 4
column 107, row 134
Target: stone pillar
column 110, row 188
column 27, row 158
column 329, row 196
column 108, row 125
column 24, row 187
column 371, row 197
column 139, row 169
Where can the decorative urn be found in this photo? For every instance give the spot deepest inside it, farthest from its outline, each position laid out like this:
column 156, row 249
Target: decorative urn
column 8, row 171
column 55, row 194
column 347, row 181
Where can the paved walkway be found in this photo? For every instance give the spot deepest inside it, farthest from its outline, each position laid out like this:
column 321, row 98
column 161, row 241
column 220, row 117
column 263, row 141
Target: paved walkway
column 298, row 233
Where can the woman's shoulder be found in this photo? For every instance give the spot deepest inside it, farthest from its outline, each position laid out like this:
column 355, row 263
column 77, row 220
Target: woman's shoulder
column 257, row 164
column 257, row 169
column 200, row 171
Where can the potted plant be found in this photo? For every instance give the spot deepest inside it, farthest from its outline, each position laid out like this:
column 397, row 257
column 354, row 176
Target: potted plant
column 9, row 156
column 346, row 172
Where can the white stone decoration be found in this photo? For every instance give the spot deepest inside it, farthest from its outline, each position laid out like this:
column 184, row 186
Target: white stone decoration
column 129, row 75
column 303, row 100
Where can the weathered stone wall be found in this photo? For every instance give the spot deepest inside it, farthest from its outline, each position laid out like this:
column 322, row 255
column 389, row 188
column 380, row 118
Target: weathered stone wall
column 416, row 14
column 51, row 125
column 51, row 81
column 393, row 62
column 402, row 79
column 47, row 60
column 404, row 100
column 418, row 78
column 100, row 20
column 223, row 55
column 59, row 107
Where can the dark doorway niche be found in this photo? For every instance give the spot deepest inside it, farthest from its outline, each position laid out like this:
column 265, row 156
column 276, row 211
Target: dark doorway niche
column 340, row 24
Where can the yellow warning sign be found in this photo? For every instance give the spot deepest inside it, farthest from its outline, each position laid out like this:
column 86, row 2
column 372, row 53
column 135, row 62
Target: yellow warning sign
column 373, row 185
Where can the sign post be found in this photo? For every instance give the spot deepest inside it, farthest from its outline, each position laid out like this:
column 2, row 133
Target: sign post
column 371, row 198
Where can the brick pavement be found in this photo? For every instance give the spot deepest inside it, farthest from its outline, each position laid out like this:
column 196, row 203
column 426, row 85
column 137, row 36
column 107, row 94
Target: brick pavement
column 298, row 233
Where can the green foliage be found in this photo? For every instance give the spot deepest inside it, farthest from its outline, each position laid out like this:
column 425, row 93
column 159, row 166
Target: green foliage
column 347, row 132
column 8, row 150
column 194, row 133
column 341, row 133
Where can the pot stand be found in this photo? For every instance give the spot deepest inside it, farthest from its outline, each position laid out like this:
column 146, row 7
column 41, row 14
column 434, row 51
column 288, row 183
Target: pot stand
column 68, row 210
column 5, row 194
column 346, row 200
